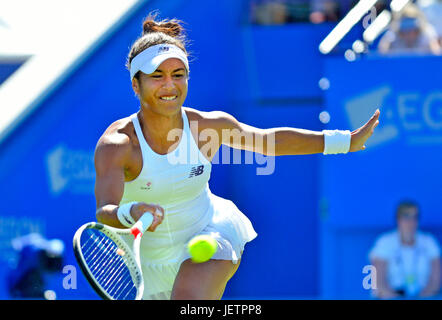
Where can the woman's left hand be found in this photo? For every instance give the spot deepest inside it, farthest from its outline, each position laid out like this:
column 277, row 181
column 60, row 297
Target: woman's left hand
column 361, row 135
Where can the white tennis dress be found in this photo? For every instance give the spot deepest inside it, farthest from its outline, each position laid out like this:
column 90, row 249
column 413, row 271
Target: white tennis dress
column 178, row 182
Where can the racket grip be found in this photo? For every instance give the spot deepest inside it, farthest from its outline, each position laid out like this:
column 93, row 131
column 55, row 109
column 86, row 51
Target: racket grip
column 142, row 224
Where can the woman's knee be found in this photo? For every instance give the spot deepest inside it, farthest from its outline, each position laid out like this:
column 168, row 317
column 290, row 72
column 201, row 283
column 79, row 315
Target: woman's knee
column 186, row 292
column 205, row 281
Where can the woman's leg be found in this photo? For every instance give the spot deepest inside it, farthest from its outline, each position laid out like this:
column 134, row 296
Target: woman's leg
column 203, row 281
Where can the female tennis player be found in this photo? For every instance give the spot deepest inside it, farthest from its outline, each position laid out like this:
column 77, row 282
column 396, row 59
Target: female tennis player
column 137, row 169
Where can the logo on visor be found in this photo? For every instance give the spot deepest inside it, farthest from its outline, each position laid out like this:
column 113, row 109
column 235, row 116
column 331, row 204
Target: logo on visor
column 163, row 49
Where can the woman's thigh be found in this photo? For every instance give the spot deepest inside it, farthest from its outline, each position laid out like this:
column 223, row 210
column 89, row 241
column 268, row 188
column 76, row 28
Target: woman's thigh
column 203, row 281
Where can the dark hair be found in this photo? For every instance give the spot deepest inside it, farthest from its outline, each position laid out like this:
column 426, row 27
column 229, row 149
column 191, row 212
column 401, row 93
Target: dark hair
column 406, row 204
column 158, row 32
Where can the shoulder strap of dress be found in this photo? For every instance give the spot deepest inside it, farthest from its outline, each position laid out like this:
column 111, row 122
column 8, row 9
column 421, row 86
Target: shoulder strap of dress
column 193, row 147
column 187, row 132
column 186, row 127
column 143, row 143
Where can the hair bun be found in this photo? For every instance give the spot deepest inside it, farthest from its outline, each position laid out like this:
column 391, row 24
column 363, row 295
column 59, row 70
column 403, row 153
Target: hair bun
column 170, row 27
column 158, row 32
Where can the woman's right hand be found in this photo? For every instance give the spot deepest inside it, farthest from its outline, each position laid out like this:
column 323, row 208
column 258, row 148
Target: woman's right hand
column 140, row 208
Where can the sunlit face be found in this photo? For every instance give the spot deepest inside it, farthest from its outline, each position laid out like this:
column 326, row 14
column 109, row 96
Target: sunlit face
column 408, row 221
column 164, row 90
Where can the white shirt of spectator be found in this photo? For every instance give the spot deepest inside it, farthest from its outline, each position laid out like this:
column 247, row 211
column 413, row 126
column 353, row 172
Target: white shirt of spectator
column 433, row 13
column 408, row 267
column 398, row 46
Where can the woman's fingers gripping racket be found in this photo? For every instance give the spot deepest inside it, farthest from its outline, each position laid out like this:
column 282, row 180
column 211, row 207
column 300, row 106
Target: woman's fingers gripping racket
column 139, row 209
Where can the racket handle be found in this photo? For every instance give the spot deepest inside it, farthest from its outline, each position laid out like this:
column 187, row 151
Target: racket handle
column 142, row 224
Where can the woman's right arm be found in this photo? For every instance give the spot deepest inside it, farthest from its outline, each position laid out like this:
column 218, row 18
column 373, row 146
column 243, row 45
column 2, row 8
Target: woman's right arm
column 110, row 158
column 112, row 155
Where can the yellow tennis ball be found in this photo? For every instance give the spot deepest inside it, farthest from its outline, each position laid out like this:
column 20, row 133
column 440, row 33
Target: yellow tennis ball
column 202, row 248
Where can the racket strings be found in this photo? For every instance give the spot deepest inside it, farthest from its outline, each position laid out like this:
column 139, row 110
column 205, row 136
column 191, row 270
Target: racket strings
column 109, row 269
column 104, row 262
column 115, row 271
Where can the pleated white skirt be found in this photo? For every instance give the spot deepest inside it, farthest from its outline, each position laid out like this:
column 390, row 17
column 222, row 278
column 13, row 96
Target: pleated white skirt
column 228, row 225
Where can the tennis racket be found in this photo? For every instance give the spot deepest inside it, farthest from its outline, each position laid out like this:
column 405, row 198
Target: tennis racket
column 112, row 268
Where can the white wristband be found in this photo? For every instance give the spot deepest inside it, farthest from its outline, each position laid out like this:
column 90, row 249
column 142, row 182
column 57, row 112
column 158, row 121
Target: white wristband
column 336, row 141
column 123, row 214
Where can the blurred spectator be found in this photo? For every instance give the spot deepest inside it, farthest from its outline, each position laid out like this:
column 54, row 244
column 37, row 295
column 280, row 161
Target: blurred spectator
column 407, row 261
column 410, row 32
column 269, row 12
column 324, row 11
column 433, row 12
column 37, row 256
column 277, row 12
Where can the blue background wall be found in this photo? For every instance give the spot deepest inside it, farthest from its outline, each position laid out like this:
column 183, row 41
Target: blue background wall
column 313, row 238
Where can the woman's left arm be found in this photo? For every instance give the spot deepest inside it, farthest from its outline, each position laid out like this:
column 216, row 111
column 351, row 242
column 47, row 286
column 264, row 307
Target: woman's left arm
column 284, row 140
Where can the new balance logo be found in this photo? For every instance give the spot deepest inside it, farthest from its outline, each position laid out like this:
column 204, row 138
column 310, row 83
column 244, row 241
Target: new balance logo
column 196, row 171
column 127, row 220
column 162, row 49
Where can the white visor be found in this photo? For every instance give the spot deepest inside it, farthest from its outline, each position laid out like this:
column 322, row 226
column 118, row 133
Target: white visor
column 148, row 60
